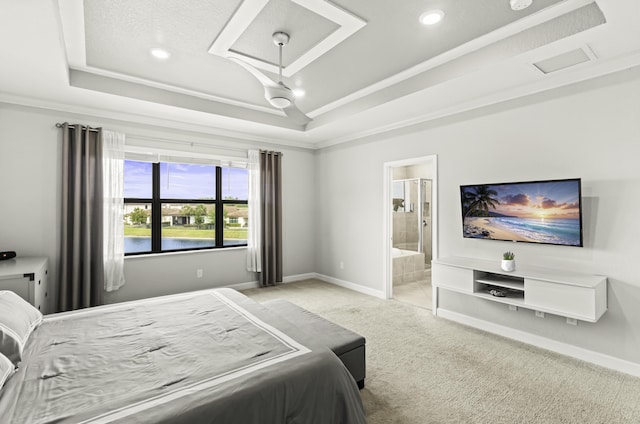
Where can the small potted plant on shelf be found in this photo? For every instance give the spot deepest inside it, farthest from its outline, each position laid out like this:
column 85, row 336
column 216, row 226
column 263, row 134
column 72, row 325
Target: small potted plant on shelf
column 508, row 261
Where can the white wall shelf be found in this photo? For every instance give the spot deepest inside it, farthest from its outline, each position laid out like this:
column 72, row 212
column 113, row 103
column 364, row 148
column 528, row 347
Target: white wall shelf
column 501, row 281
column 558, row 292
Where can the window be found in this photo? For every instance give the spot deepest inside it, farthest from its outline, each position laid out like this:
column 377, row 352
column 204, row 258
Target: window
column 172, row 207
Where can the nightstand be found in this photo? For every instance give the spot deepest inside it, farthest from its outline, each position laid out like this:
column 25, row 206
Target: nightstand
column 28, row 277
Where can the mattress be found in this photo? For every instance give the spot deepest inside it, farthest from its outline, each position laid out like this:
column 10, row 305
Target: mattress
column 205, row 357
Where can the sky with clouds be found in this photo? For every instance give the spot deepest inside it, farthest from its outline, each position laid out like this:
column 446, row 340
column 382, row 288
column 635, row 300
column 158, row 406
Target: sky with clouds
column 549, row 199
column 183, row 181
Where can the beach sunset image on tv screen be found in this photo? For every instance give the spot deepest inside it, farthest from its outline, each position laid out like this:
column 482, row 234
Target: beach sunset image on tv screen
column 537, row 212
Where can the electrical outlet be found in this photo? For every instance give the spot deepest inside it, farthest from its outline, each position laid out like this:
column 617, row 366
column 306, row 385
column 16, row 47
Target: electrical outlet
column 199, row 273
column 341, row 265
column 540, row 314
column 572, row 321
column 513, row 308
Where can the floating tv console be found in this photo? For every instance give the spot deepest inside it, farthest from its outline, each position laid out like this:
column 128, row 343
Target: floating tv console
column 568, row 294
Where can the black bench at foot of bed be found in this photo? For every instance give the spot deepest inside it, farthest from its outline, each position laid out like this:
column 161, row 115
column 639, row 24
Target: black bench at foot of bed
column 347, row 345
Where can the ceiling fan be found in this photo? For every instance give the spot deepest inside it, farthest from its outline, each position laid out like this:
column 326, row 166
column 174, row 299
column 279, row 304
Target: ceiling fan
column 277, row 93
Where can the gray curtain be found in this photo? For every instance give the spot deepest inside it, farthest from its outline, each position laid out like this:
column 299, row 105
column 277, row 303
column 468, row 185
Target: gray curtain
column 81, row 262
column 271, row 214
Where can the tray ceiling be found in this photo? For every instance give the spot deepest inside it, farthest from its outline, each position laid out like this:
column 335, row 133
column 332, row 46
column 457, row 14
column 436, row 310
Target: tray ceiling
column 365, row 65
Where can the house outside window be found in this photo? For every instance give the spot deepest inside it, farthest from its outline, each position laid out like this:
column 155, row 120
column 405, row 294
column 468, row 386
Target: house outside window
column 172, row 207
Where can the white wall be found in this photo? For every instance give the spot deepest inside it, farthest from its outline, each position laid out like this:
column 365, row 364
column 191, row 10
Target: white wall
column 590, row 130
column 29, row 188
column 333, row 200
column 30, row 204
column 413, row 171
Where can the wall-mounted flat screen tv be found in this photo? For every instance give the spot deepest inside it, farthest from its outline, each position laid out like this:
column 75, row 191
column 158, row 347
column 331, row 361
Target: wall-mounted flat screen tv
column 548, row 212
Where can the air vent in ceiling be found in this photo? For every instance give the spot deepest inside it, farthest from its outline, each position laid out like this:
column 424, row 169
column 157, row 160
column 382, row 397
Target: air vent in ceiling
column 565, row 60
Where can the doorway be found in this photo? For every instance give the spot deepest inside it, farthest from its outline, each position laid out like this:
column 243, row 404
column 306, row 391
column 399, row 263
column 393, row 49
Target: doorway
column 410, row 223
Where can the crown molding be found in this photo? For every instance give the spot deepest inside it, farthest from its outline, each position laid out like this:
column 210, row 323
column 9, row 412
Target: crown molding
column 121, row 118
column 546, row 83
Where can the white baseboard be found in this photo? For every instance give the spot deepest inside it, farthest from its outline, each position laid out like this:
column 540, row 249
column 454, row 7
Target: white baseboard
column 256, row 284
column 351, row 286
column 597, row 358
column 299, row 277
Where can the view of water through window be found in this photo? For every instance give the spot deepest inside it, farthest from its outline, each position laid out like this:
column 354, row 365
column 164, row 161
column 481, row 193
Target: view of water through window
column 143, row 244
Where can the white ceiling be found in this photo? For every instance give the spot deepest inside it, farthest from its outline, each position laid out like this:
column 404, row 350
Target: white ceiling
column 367, row 66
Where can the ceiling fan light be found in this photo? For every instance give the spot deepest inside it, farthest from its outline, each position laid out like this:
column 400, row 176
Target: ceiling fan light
column 280, row 102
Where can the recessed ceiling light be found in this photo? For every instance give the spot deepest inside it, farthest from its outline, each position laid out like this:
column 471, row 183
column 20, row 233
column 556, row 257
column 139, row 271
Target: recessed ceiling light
column 298, row 92
column 159, row 53
column 431, row 17
column 520, row 4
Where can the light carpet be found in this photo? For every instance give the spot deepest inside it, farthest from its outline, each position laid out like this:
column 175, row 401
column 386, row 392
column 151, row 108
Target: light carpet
column 424, row 369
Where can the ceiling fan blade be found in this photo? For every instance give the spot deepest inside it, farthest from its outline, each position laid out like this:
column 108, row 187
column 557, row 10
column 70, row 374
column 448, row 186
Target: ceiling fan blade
column 264, row 80
column 296, row 114
column 276, row 92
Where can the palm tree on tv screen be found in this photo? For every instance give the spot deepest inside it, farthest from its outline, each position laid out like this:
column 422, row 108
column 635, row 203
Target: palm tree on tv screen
column 479, row 199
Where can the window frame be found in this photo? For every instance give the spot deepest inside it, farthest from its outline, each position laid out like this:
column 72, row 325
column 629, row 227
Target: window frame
column 156, row 203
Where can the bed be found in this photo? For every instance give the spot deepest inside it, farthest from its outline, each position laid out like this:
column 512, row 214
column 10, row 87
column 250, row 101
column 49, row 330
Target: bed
column 213, row 356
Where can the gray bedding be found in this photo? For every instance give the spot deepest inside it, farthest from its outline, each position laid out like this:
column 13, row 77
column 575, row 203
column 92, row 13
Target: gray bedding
column 206, row 357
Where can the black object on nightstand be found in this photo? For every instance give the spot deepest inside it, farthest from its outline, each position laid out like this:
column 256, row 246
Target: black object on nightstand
column 9, row 254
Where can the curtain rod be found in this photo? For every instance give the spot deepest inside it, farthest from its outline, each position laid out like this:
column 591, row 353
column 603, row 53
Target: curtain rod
column 186, row 143
column 84, row 127
column 196, row 143
column 273, row 152
column 189, row 143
